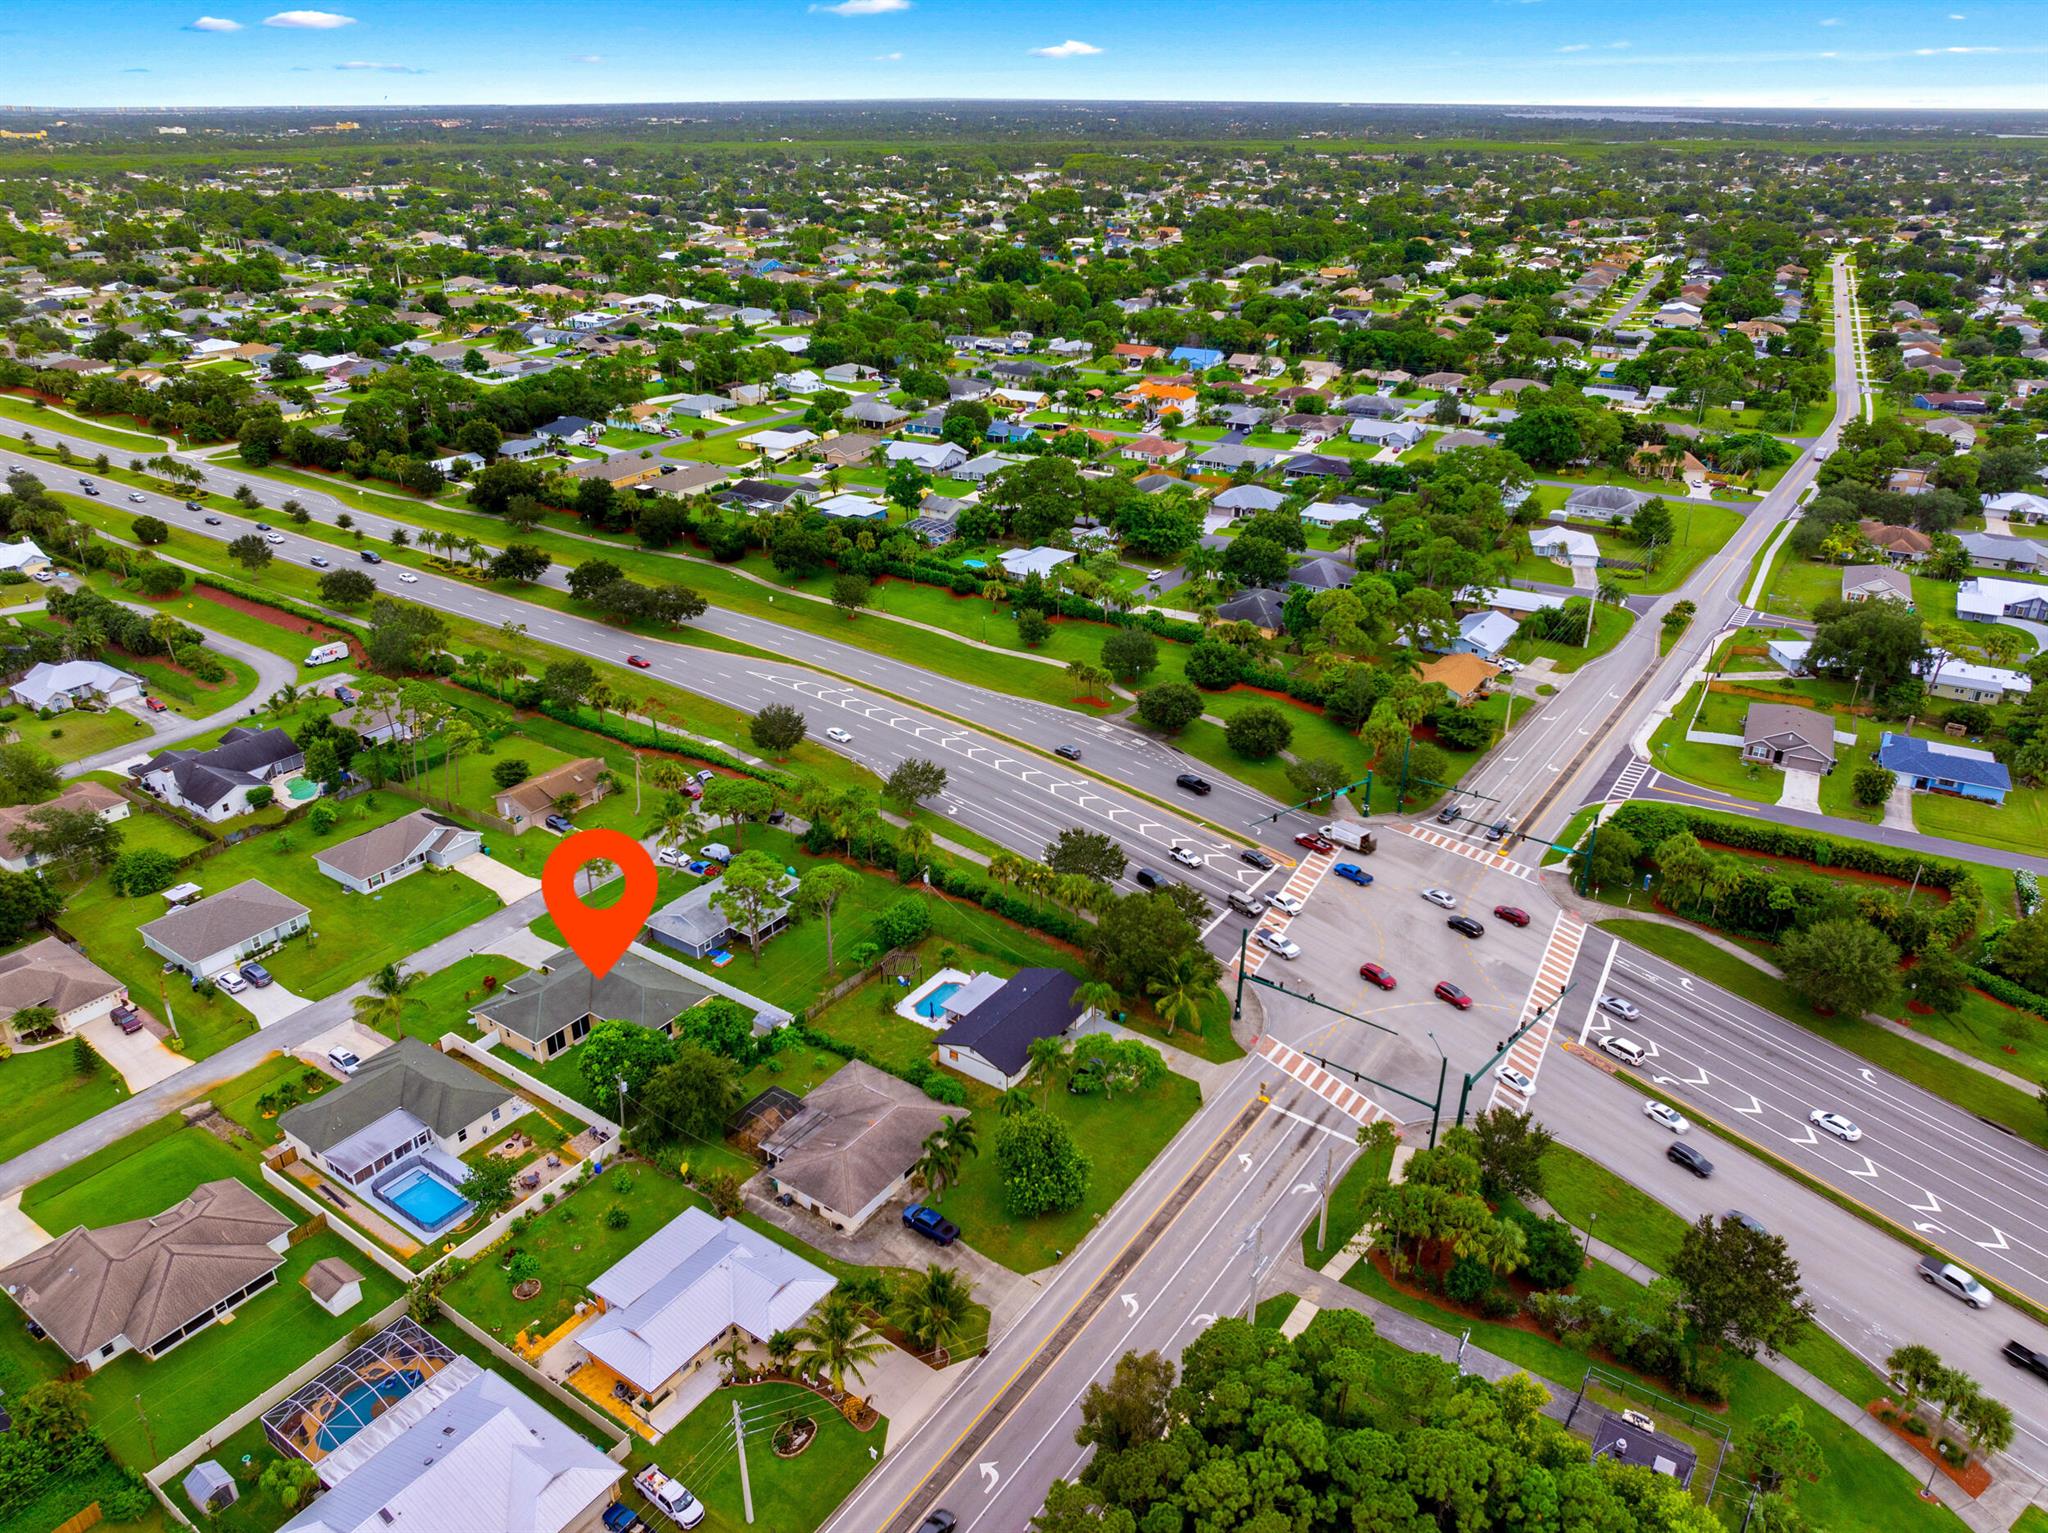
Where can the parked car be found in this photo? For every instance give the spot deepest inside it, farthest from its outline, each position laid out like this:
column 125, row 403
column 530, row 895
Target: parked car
column 1276, row 942
column 1314, row 842
column 639, row 662
column 1515, row 1080
column 1465, row 926
column 1376, row 974
column 127, row 1018
column 1950, row 1278
column 257, row 975
column 1442, row 898
column 838, row 734
column 1446, row 991
column 621, row 1518
column 155, row 704
column 370, row 556
column 1617, row 1006
column 1067, row 752
column 1352, row 873
column 231, row 982
column 1679, row 1153
column 1514, row 915
column 1256, row 858
column 1155, row 574
column 2020, row 1355
column 559, row 824
column 344, row 1059
column 344, row 695
column 1664, row 1113
column 931, row 1224
column 1834, row 1123
column 1192, row 783
column 1184, row 857
column 940, row 1521
column 318, row 561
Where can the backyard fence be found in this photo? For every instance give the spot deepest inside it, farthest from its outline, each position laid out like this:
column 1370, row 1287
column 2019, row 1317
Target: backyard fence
column 498, row 1065
column 620, row 1441
column 341, row 1227
column 78, row 1522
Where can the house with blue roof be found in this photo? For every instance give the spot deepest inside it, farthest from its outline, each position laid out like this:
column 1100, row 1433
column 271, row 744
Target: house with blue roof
column 1010, row 431
column 1200, row 358
column 1936, row 766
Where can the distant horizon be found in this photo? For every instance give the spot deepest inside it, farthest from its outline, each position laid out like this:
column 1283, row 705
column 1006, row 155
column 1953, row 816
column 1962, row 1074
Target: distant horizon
column 1754, row 55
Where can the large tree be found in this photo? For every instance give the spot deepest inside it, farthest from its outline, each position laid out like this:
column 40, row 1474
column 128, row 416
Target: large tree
column 688, row 1100
column 914, row 780
column 751, row 894
column 615, row 1050
column 1089, row 853
column 778, row 729
column 1843, row 964
column 1143, row 937
column 1740, row 1286
column 1042, row 1169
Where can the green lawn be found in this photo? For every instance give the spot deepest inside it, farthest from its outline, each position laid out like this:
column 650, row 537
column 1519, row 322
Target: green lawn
column 1610, row 626
column 46, row 1095
column 77, row 733
column 33, row 414
column 2019, row 825
column 1347, row 1207
column 790, row 1495
column 1715, row 766
column 1122, row 1135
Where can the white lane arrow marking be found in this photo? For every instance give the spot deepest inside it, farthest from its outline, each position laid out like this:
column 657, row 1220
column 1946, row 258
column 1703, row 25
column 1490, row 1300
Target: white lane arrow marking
column 1931, row 1206
column 1869, row 1167
column 1868, row 1075
column 1205, row 1319
column 1245, row 1161
column 1928, row 1229
column 989, row 1476
column 1811, row 1137
column 1997, row 1241
column 1131, row 1304
column 1301, row 1187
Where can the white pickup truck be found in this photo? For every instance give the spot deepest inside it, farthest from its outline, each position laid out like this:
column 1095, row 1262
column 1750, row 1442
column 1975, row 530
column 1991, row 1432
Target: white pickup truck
column 669, row 1497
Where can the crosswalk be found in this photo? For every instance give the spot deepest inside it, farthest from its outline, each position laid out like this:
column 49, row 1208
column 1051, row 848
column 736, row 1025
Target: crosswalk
column 1560, row 953
column 1489, row 857
column 1339, row 1093
column 1301, row 883
column 1631, row 778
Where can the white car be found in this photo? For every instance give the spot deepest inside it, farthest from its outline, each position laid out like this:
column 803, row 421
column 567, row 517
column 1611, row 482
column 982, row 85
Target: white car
column 1155, row 574
column 1285, row 902
column 1184, row 857
column 673, row 856
column 1834, row 1123
column 838, row 734
column 1286, row 947
column 138, row 497
column 1442, row 898
column 1515, row 1080
column 409, row 577
column 273, row 537
column 1666, row 1114
column 1510, row 666
column 1624, row 1009
column 231, row 982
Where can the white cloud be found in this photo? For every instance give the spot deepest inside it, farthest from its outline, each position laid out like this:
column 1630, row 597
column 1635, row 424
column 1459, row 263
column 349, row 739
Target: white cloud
column 309, row 21
column 1623, row 44
column 1957, row 16
column 1574, row 47
column 1831, row 21
column 1926, row 53
column 586, row 58
column 1069, row 49
column 381, row 69
column 889, row 58
column 214, row 24
column 864, row 7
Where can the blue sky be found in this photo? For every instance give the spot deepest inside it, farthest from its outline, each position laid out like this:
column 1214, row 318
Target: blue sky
column 1807, row 53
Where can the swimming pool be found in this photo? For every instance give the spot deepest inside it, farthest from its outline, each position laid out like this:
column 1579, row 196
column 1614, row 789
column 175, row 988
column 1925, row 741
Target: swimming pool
column 361, row 1404
column 933, row 1005
column 926, row 1005
column 425, row 1199
column 299, row 789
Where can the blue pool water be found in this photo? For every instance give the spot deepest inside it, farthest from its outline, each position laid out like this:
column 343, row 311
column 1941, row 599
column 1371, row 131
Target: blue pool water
column 425, row 1199
column 933, row 1005
column 360, row 1405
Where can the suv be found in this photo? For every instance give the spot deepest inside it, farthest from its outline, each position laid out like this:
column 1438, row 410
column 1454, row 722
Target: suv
column 931, row 1224
column 559, row 823
column 128, row 1019
column 1145, row 878
column 1067, row 752
column 1950, row 1278
column 344, row 1059
column 370, row 556
column 1466, row 926
column 1680, row 1153
column 1450, row 814
column 256, row 974
column 1192, row 783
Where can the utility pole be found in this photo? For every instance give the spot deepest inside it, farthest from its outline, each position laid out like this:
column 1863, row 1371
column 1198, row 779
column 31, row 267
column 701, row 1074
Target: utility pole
column 1323, row 1224
column 739, row 1432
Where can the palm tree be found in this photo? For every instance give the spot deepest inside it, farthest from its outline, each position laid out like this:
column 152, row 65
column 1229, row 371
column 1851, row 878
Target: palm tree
column 938, row 1164
column 838, row 1341
column 781, row 1347
column 915, row 842
column 1047, row 1056
column 390, row 997
column 676, row 825
column 932, row 1307
column 1913, row 1369
column 1099, row 995
column 733, row 1354
column 1178, row 995
column 1012, row 1102
column 960, row 1136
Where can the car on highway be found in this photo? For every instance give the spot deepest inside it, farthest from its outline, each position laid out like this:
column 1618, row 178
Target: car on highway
column 370, row 556
column 318, row 561
column 1314, row 842
column 1497, row 831
column 1376, row 974
column 1192, row 783
column 1352, row 873
column 931, row 1224
column 1450, row 814
column 263, row 526
column 1256, row 858
column 639, row 662
column 1834, row 1123
column 1667, row 1115
column 1276, row 942
column 155, row 704
column 138, row 497
column 256, row 974
column 2020, row 1355
column 85, row 484
column 1737, row 1216
column 560, row 824
column 1184, row 857
column 1514, row 915
column 1442, row 898
column 1465, row 926
column 1680, row 1153
column 1145, row 878
column 1067, row 752
column 1617, row 1006
column 1285, row 903
column 273, row 537
column 940, row 1521
column 93, row 490
column 1515, row 1080
column 1627, row 1050
column 409, row 577
column 1446, row 991
column 193, row 505
column 1950, row 1278
column 231, row 982
column 213, row 521
column 838, row 734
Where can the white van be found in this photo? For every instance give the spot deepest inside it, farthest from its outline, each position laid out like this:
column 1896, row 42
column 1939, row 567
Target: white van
column 344, row 1059
column 1622, row 1049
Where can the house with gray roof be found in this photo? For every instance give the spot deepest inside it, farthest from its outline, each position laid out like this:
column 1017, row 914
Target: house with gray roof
column 1993, row 551
column 554, row 1008
column 1603, row 503
column 1782, row 735
column 691, row 924
column 401, row 1101
column 850, row 1147
column 215, row 784
column 209, row 935
column 388, row 853
column 1255, row 605
column 993, row 1022
column 149, row 1284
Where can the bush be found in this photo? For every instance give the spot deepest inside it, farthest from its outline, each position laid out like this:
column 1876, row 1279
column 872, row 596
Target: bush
column 903, row 922
column 616, row 1217
column 944, row 1088
column 1169, row 707
column 1468, row 1281
column 1552, row 1256
column 523, row 1268
column 510, row 772
column 1214, row 664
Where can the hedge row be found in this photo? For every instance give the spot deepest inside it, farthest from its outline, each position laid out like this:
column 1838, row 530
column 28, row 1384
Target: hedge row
column 965, row 883
column 1998, row 987
column 1652, row 823
column 925, row 1076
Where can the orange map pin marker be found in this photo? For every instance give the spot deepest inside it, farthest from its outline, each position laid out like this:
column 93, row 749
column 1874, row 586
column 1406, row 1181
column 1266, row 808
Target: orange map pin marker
column 600, row 937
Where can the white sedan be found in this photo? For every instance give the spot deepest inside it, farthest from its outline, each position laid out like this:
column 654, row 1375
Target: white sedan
column 1184, row 857
column 273, row 537
column 1515, row 1080
column 1834, row 1123
column 1441, row 897
column 1286, row 947
column 1666, row 1114
column 838, row 734
column 1285, row 902
column 409, row 577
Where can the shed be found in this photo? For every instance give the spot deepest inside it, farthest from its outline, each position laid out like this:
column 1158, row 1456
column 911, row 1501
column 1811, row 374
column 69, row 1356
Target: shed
column 210, row 1487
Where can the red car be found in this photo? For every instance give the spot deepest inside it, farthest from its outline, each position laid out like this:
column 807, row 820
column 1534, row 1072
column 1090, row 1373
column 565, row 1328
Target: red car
column 156, row 704
column 1446, row 991
column 640, row 662
column 1373, row 974
column 1314, row 842
column 1510, row 914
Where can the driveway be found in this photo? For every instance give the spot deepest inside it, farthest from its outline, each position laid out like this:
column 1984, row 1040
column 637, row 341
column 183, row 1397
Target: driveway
column 1898, row 809
column 507, row 883
column 523, row 947
column 350, row 1035
column 269, row 1004
column 1801, row 791
column 141, row 1057
column 19, row 1235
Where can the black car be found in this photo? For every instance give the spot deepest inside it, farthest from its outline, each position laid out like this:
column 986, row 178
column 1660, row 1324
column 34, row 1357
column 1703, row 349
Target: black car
column 940, row 1521
column 1145, row 878
column 1449, row 814
column 931, row 1224
column 777, row 816
column 263, row 526
column 1067, row 752
column 213, row 521
column 371, row 556
column 1466, row 926
column 2020, row 1355
column 1736, row 1216
column 1192, row 783
column 1256, row 858
column 1682, row 1154
column 1497, row 831
column 193, row 505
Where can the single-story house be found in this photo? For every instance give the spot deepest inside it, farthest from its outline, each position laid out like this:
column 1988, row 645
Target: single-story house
column 78, row 797
column 932, row 457
column 57, row 686
column 1315, row 465
column 216, row 784
column 528, row 803
column 1877, row 582
column 1565, row 545
column 1798, row 739
column 1938, row 766
column 1789, row 655
column 1983, row 599
column 1229, row 457
column 870, row 410
column 851, row 1146
column 1397, row 434
column 1195, row 358
column 1322, row 572
column 622, row 470
column 210, row 935
column 23, row 556
column 1904, row 545
column 694, row 926
column 1018, row 563
column 1242, row 500
column 49, row 972
column 2018, row 506
column 148, row 1284
column 1154, row 450
column 1511, row 601
column 1991, row 551
column 1963, row 682
column 542, row 1013
column 1255, row 605
column 849, row 449
column 698, row 406
column 848, row 506
column 1603, row 503
column 761, row 495
column 401, row 1102
column 378, row 857
column 1486, row 634
column 1465, row 677
column 776, row 445
column 995, row 1021
column 687, row 1287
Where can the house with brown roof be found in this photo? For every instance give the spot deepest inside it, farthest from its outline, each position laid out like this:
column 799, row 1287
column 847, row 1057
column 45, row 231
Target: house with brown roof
column 528, row 803
column 1904, row 545
column 1133, row 357
column 86, row 797
column 1156, row 451
column 1782, row 735
column 1876, row 582
column 53, row 974
column 1465, row 677
column 388, row 853
column 149, row 1284
column 849, row 1149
